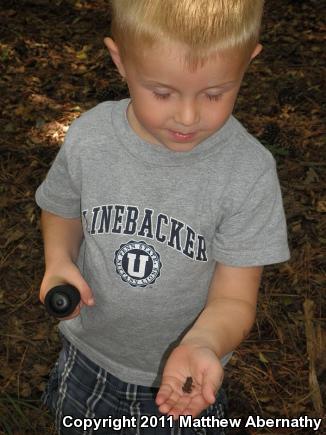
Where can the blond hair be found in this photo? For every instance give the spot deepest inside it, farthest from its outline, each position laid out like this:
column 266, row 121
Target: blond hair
column 204, row 27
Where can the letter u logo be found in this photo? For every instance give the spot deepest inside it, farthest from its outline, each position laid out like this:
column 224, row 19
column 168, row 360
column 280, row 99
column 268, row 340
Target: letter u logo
column 142, row 264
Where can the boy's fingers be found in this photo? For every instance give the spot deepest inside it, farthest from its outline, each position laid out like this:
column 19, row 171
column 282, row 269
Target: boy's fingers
column 210, row 387
column 85, row 291
column 87, row 295
column 163, row 394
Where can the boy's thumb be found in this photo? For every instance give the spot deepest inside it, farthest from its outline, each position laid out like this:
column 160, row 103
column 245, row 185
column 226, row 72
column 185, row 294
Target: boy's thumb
column 85, row 291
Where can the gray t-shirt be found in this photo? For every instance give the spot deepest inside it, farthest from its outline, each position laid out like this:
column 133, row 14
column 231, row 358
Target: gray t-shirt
column 155, row 224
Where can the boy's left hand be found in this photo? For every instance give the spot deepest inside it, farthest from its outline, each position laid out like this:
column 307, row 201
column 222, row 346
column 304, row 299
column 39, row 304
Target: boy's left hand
column 189, row 360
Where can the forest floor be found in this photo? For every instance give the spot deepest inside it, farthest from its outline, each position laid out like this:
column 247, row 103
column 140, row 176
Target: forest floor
column 54, row 66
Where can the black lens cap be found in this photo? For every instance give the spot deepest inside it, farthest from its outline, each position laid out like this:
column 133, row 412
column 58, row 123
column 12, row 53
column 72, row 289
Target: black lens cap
column 62, row 300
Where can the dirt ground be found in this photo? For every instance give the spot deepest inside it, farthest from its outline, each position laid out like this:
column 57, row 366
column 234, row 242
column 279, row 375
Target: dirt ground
column 54, row 66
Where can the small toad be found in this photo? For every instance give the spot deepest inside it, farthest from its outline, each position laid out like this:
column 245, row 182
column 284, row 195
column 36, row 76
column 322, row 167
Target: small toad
column 187, row 386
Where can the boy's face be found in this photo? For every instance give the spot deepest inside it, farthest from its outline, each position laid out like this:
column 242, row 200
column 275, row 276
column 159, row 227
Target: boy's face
column 180, row 101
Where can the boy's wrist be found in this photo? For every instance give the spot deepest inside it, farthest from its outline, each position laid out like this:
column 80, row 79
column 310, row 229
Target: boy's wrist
column 58, row 262
column 222, row 326
column 200, row 338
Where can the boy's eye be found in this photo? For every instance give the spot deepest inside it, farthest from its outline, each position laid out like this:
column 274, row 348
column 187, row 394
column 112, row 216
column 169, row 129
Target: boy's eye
column 161, row 96
column 165, row 96
column 214, row 97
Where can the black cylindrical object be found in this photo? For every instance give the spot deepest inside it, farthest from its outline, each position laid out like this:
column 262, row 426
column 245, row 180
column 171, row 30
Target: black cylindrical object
column 62, row 300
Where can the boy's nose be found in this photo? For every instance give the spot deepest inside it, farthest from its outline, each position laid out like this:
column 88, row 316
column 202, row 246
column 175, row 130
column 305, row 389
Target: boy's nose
column 187, row 114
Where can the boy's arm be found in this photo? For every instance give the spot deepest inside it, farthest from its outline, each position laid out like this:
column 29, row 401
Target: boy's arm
column 230, row 310
column 62, row 238
column 225, row 321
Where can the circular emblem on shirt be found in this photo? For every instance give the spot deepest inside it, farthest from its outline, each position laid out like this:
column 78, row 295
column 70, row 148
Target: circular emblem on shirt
column 137, row 263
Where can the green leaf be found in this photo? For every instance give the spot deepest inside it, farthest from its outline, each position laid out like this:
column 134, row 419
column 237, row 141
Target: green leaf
column 262, row 358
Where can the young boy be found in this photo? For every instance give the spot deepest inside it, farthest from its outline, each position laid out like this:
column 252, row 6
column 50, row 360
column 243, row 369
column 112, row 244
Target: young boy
column 162, row 210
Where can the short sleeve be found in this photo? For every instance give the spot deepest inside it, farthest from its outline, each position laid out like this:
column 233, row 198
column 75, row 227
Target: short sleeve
column 60, row 192
column 256, row 233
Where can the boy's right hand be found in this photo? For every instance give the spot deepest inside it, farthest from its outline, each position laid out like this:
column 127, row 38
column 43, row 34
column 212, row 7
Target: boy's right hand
column 66, row 272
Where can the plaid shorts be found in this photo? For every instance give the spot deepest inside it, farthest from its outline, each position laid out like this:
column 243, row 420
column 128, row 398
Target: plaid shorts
column 85, row 399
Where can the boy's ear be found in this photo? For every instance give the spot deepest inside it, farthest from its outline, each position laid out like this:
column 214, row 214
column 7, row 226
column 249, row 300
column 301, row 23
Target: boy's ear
column 256, row 51
column 114, row 52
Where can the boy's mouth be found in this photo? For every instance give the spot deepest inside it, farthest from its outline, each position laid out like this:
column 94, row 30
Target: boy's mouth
column 181, row 136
